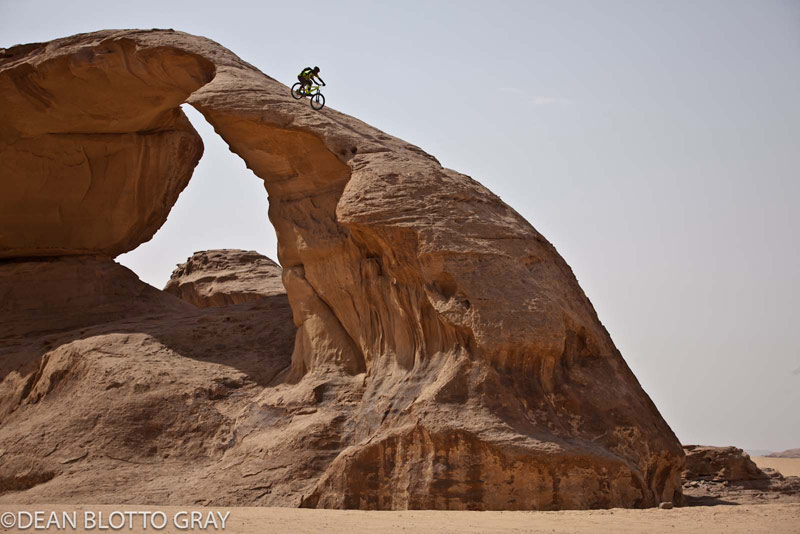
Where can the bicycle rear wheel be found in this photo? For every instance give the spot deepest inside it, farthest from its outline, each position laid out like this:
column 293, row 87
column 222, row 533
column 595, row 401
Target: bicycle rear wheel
column 317, row 101
column 297, row 91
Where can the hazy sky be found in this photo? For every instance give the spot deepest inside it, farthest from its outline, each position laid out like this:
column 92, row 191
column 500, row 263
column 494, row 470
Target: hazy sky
column 656, row 144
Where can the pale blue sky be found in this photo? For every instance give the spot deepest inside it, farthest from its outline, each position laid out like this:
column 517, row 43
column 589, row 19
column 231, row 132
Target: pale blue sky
column 654, row 143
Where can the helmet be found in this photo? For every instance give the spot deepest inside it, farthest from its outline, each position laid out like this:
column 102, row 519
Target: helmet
column 316, row 69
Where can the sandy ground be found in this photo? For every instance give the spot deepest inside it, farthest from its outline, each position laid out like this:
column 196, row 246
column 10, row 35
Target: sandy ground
column 772, row 518
column 787, row 466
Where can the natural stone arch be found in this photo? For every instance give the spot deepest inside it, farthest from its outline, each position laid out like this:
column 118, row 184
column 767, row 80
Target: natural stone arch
column 304, row 181
column 467, row 367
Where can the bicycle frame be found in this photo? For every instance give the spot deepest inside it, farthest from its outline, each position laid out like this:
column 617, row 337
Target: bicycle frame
column 299, row 91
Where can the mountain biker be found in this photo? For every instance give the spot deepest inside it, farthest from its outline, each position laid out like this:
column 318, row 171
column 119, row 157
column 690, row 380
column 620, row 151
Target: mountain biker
column 307, row 76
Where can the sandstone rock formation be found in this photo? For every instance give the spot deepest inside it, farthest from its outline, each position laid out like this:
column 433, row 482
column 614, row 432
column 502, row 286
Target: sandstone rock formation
column 122, row 393
column 445, row 355
column 42, row 297
column 225, row 277
column 94, row 149
column 720, row 463
column 720, row 475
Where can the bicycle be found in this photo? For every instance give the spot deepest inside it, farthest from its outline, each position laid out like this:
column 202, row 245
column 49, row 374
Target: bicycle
column 317, row 99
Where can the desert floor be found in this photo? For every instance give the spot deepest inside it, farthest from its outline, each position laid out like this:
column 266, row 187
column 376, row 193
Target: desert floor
column 787, row 466
column 772, row 518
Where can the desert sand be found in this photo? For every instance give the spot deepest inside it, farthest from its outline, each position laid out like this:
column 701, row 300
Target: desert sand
column 789, row 467
column 773, row 518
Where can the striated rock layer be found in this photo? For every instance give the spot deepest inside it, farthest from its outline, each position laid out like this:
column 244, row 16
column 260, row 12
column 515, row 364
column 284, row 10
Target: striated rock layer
column 225, row 277
column 445, row 355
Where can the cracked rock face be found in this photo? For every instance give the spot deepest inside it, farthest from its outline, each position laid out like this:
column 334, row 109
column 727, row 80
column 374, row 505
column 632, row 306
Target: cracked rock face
column 445, row 356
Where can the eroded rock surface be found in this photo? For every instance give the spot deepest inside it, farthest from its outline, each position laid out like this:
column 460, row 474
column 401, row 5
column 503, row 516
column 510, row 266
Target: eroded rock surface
column 94, row 148
column 727, row 475
column 720, row 463
column 130, row 394
column 57, row 294
column 445, row 355
column 224, row 277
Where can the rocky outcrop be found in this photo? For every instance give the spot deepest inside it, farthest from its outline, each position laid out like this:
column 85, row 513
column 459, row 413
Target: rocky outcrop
column 128, row 394
column 719, row 475
column 42, row 300
column 225, row 277
column 445, row 355
column 94, row 148
column 58, row 294
column 720, row 463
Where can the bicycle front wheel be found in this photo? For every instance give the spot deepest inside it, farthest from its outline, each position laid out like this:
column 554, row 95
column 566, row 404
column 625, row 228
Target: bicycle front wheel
column 317, row 101
column 297, row 91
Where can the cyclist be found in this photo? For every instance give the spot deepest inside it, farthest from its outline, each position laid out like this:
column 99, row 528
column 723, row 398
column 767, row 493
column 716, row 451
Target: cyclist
column 307, row 76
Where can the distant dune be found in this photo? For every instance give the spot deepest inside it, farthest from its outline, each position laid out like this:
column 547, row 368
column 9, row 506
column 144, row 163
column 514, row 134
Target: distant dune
column 788, row 453
column 758, row 452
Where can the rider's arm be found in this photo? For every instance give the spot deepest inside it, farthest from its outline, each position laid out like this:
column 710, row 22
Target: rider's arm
column 321, row 80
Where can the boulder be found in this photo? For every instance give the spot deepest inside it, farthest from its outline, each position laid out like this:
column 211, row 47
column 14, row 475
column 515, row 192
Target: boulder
column 727, row 475
column 720, row 463
column 445, row 355
column 225, row 277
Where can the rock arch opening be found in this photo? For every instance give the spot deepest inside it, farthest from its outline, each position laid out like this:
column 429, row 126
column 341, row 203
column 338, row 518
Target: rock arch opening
column 222, row 207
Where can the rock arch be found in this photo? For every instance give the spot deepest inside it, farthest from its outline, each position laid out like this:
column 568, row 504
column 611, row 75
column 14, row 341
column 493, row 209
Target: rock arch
column 461, row 363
